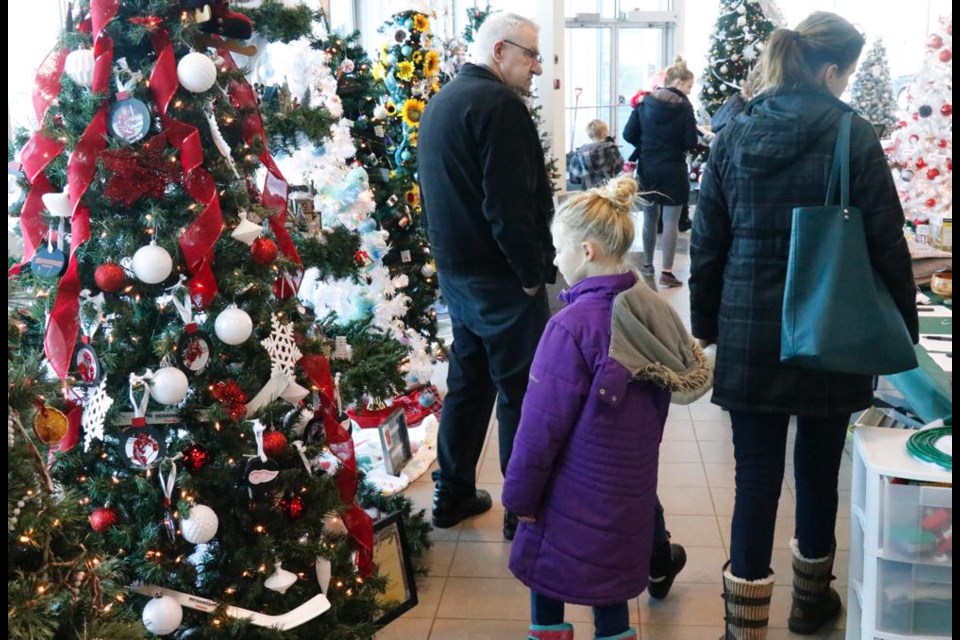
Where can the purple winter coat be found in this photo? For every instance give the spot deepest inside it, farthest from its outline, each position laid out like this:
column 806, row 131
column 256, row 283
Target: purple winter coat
column 585, row 459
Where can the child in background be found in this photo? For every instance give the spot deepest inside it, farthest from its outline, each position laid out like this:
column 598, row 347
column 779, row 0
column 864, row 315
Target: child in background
column 583, row 475
column 597, row 161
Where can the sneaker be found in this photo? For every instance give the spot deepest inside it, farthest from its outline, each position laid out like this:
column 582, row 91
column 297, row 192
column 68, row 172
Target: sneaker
column 510, row 523
column 667, row 279
column 450, row 508
column 647, row 270
column 667, row 570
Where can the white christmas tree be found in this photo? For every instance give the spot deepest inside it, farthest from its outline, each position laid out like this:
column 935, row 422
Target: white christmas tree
column 922, row 151
column 872, row 92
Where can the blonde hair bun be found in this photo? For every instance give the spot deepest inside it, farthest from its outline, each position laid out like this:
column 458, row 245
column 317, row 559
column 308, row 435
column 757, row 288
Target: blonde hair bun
column 620, row 192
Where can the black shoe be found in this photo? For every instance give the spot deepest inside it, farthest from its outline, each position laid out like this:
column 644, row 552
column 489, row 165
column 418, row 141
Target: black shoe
column 510, row 523
column 664, row 569
column 450, row 508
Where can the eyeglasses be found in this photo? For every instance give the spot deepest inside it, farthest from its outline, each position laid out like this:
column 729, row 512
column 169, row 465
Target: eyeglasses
column 530, row 53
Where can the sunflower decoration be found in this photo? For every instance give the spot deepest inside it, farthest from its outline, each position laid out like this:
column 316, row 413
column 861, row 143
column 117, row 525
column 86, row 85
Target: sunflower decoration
column 412, row 110
column 420, row 22
column 391, row 108
column 431, row 63
column 412, row 138
column 435, row 86
column 405, row 70
column 417, row 57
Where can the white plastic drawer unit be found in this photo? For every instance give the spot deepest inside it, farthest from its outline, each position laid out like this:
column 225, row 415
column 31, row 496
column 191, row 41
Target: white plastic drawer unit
column 915, row 600
column 917, row 523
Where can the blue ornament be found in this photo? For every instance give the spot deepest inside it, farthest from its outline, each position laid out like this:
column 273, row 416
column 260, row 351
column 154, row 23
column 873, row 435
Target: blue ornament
column 367, row 226
column 427, row 399
column 407, row 50
column 391, row 60
column 405, row 156
column 408, row 23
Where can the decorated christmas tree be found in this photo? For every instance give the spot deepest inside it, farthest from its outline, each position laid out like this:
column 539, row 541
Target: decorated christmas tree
column 872, row 92
column 735, row 45
column 194, row 416
column 922, row 151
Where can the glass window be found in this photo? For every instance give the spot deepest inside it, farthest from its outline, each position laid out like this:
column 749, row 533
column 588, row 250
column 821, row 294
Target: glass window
column 26, row 49
column 605, row 8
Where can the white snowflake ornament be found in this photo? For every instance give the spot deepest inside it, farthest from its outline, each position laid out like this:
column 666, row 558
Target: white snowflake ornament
column 94, row 414
column 283, row 350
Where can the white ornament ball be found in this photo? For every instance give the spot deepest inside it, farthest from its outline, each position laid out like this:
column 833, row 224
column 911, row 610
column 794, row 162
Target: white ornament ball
column 724, row 69
column 201, row 526
column 79, row 67
column 169, row 385
column 233, row 325
column 741, row 9
column 428, row 270
column 196, row 72
column 162, row 615
column 380, row 112
column 152, row 264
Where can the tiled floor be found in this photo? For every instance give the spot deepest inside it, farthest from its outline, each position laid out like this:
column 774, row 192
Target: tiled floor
column 471, row 595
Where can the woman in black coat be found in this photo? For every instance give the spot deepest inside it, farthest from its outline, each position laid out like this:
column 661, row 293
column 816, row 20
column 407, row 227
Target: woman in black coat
column 663, row 128
column 773, row 157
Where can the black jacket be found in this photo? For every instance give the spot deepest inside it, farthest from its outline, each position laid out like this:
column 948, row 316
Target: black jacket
column 663, row 128
column 775, row 156
column 486, row 195
column 727, row 112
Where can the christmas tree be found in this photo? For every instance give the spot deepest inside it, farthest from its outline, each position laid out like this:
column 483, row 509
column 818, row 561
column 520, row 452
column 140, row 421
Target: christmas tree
column 872, row 92
column 922, row 151
column 735, row 45
column 194, row 417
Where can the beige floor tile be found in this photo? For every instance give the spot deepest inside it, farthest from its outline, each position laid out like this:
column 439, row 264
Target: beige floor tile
column 489, row 471
column 681, row 474
column 439, row 557
column 453, row 629
column 678, row 430
column 716, row 451
column 487, row 527
column 688, row 604
column 679, row 413
column 481, row 560
column 421, row 493
column 689, row 501
column 704, row 565
column 679, row 451
column 694, row 531
column 452, row 533
column 429, row 591
column 674, row 632
column 485, row 599
column 713, row 430
column 708, row 412
column 406, row 628
column 721, row 474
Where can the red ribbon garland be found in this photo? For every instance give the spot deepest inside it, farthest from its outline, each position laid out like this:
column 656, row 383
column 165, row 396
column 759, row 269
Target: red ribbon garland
column 356, row 520
column 39, row 152
column 64, row 324
column 275, row 187
column 200, row 237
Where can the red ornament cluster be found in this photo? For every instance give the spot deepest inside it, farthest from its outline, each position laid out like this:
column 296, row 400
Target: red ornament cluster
column 232, row 397
column 274, row 444
column 195, row 457
column 293, row 506
column 103, row 518
column 264, row 251
column 110, row 277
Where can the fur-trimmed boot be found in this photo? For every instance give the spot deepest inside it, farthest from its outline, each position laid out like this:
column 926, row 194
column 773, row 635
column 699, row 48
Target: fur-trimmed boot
column 746, row 605
column 815, row 602
column 562, row 631
column 629, row 634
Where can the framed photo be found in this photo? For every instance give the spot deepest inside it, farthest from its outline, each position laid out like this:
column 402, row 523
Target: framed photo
column 392, row 558
column 395, row 442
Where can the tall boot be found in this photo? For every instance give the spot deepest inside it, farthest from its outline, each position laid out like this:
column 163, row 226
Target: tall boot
column 746, row 605
column 815, row 602
column 562, row 631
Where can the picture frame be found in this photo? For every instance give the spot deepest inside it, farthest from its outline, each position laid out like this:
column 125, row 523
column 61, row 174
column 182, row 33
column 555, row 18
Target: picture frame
column 392, row 557
column 395, row 441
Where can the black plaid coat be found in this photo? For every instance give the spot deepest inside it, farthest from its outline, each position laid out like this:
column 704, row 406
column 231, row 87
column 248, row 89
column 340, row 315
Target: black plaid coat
column 774, row 156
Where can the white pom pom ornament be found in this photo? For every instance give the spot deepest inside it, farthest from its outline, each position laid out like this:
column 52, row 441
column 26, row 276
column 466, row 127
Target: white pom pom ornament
column 79, row 67
column 196, row 72
column 233, row 325
column 162, row 615
column 201, row 526
column 152, row 264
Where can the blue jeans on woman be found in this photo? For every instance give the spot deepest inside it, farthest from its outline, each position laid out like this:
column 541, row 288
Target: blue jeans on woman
column 759, row 442
column 609, row 620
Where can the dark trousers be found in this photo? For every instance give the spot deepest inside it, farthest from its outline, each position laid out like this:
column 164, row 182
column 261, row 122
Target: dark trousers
column 609, row 620
column 661, row 537
column 759, row 442
column 496, row 329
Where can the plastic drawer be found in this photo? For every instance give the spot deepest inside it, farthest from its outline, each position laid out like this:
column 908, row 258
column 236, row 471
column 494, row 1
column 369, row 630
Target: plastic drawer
column 915, row 599
column 917, row 523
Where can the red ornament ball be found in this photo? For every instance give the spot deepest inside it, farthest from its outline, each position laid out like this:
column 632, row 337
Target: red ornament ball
column 283, row 288
column 921, row 163
column 942, row 144
column 932, row 173
column 947, row 109
column 103, row 518
column 196, row 457
column 293, row 506
column 936, row 41
column 264, row 251
column 110, row 277
column 274, row 444
column 946, row 55
column 931, row 203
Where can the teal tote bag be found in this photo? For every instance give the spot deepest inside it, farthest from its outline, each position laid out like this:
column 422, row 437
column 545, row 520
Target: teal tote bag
column 838, row 316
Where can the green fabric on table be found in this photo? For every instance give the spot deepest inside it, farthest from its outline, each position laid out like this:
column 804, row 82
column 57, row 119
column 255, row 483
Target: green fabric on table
column 927, row 388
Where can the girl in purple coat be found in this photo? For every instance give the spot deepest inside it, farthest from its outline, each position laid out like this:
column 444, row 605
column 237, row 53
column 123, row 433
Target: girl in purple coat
column 583, row 474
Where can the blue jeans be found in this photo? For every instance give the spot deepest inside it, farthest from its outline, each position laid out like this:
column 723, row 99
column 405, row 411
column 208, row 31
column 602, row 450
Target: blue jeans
column 759, row 442
column 609, row 620
column 496, row 330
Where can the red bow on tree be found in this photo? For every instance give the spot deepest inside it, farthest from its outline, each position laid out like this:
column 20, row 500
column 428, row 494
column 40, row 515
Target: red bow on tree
column 137, row 173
